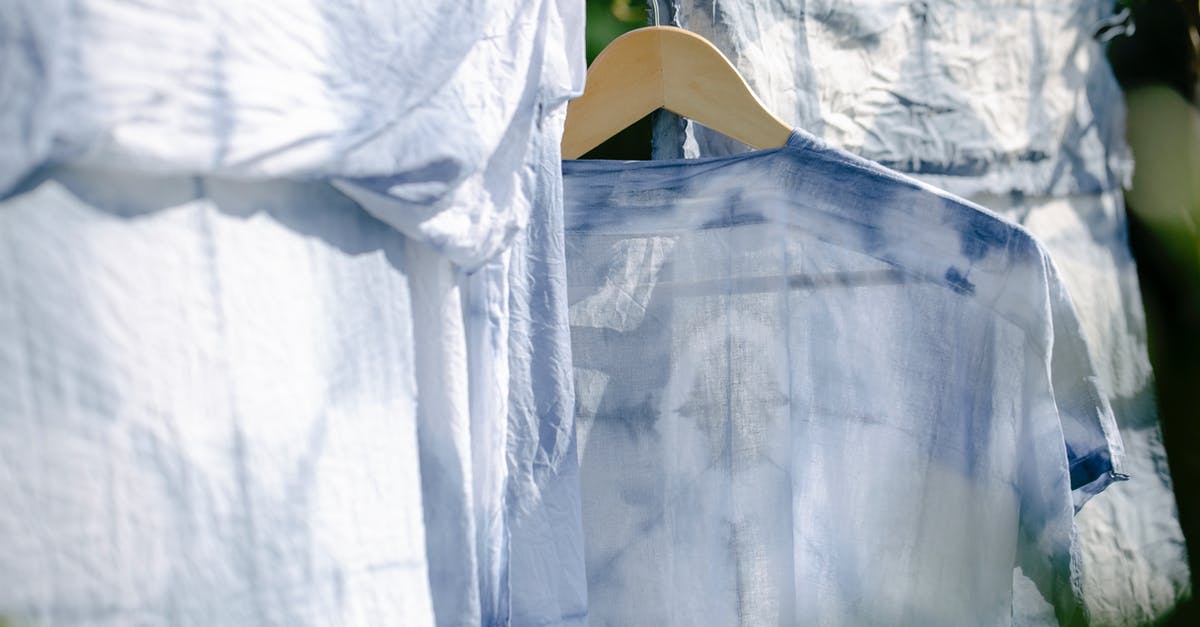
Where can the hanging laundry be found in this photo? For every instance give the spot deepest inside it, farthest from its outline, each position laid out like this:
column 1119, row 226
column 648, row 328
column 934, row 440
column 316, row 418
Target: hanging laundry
column 197, row 431
column 996, row 96
column 1012, row 105
column 209, row 406
column 1133, row 534
column 283, row 344
column 811, row 390
column 440, row 97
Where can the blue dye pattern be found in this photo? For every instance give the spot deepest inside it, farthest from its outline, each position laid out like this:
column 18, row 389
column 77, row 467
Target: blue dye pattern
column 958, row 282
column 797, row 366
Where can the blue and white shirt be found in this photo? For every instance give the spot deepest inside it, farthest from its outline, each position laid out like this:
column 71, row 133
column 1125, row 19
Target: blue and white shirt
column 814, row 391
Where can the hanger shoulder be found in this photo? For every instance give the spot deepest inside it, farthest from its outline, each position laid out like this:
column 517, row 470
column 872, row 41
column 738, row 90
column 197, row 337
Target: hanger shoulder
column 623, row 85
column 702, row 85
column 666, row 67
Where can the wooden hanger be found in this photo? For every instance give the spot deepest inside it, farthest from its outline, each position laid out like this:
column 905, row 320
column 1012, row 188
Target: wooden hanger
column 669, row 68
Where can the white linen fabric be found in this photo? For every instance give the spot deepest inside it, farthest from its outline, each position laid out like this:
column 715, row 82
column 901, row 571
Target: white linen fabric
column 547, row 577
column 812, row 390
column 343, row 396
column 209, row 408
column 526, row 470
column 1012, row 105
column 253, row 403
column 1133, row 559
column 441, row 97
column 972, row 96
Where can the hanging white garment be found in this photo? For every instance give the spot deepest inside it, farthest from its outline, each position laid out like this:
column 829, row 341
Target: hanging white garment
column 253, row 403
column 812, row 391
column 329, row 394
column 209, row 406
column 1132, row 535
column 970, row 96
column 440, row 97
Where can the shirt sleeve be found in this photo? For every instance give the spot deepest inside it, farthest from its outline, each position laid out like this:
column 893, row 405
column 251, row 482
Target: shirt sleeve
column 1070, row 450
column 1093, row 444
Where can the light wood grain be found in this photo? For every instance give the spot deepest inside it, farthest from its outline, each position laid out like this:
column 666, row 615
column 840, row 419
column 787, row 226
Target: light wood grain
column 673, row 69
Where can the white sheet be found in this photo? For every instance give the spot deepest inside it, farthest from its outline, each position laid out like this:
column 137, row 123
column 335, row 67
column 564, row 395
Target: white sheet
column 235, row 397
column 441, row 97
column 209, row 406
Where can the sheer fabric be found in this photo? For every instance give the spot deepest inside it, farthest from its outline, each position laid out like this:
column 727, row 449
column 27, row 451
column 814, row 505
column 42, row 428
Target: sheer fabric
column 972, row 96
column 324, row 381
column 813, row 391
column 209, row 408
column 253, row 403
column 1012, row 105
column 440, row 97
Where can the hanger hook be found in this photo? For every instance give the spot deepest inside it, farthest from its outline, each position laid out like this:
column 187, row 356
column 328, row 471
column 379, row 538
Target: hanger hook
column 652, row 6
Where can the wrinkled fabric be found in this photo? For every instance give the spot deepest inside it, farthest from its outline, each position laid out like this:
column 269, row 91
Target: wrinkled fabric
column 209, row 408
column 529, row 535
column 523, row 545
column 810, row 390
column 1133, row 558
column 440, row 97
column 344, row 338
column 972, row 96
column 194, row 432
column 1014, row 106
column 546, row 569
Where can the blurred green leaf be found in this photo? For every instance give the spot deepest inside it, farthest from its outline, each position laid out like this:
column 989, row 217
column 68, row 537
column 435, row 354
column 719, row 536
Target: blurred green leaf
column 609, row 19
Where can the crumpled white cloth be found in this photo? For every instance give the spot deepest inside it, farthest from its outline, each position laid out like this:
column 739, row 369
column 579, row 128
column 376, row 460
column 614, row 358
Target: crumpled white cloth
column 441, row 97
column 1133, row 558
column 970, row 96
column 239, row 398
column 252, row 403
column 547, row 577
column 209, row 409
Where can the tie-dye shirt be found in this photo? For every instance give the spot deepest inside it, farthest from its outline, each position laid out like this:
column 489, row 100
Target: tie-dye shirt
column 811, row 390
